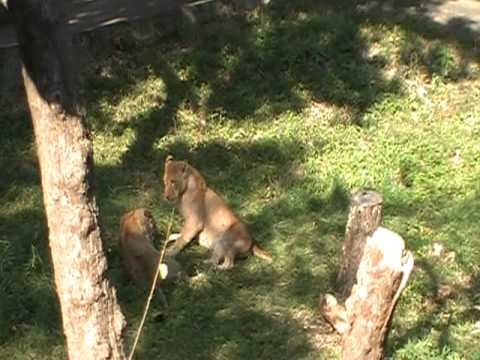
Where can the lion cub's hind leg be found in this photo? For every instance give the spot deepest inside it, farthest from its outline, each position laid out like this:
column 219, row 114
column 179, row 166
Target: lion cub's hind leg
column 228, row 262
column 223, row 255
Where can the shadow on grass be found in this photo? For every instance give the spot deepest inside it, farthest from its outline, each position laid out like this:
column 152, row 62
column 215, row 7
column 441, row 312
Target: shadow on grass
column 218, row 321
column 280, row 61
column 242, row 313
column 28, row 301
column 415, row 17
column 242, row 66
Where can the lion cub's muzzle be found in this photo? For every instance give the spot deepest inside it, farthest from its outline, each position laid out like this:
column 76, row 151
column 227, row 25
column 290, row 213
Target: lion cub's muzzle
column 170, row 196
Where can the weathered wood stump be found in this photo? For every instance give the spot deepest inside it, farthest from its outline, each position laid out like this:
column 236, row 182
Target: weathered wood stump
column 365, row 216
column 382, row 275
column 374, row 271
column 381, row 278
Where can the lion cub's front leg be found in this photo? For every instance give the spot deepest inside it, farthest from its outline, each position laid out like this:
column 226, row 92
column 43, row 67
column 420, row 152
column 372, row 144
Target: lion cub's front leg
column 189, row 231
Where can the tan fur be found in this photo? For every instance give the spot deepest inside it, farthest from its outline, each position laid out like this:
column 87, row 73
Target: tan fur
column 140, row 258
column 206, row 216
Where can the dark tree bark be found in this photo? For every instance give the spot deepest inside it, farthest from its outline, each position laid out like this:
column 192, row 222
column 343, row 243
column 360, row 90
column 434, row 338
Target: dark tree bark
column 92, row 319
column 364, row 217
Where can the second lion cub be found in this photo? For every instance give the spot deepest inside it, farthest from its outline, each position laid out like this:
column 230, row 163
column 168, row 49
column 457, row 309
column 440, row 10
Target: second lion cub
column 207, row 216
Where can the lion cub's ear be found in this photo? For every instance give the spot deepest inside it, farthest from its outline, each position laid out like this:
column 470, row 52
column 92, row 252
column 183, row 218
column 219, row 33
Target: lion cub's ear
column 169, row 158
column 147, row 213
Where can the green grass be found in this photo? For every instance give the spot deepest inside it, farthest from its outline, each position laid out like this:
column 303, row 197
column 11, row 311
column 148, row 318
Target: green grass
column 285, row 112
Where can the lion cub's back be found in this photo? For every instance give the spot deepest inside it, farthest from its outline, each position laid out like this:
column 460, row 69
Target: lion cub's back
column 219, row 216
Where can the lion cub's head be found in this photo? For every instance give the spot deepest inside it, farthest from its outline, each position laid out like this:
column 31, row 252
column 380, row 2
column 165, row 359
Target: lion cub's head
column 138, row 222
column 175, row 178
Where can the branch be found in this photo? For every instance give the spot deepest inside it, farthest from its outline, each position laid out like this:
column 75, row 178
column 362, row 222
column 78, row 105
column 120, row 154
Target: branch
column 334, row 313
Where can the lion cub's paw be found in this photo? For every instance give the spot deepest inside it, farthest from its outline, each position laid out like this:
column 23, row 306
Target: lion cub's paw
column 174, row 237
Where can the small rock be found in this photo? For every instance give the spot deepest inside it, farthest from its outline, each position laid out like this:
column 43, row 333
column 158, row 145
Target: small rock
column 456, row 159
column 444, row 291
column 476, row 328
column 436, row 249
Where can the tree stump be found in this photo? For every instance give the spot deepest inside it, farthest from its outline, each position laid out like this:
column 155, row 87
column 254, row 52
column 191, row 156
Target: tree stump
column 382, row 275
column 365, row 216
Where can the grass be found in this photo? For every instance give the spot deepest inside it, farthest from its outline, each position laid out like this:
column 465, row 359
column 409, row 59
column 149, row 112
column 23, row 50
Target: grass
column 285, row 112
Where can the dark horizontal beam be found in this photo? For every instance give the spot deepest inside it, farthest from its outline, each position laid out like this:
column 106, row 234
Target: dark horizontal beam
column 87, row 15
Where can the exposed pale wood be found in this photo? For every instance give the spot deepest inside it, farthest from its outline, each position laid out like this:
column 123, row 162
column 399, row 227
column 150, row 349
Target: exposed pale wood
column 382, row 275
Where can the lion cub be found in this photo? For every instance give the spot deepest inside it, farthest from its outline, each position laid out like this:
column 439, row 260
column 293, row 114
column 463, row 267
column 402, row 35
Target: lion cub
column 207, row 216
column 140, row 258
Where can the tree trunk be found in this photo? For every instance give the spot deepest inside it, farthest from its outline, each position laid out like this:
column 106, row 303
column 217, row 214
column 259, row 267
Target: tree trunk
column 364, row 217
column 92, row 319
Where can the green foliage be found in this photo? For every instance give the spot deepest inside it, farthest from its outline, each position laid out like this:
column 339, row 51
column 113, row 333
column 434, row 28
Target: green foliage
column 425, row 350
column 285, row 111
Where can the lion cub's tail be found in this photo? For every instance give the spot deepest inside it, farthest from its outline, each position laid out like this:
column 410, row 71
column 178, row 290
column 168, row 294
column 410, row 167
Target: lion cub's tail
column 262, row 254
